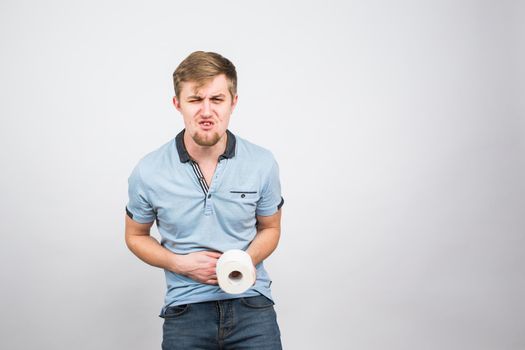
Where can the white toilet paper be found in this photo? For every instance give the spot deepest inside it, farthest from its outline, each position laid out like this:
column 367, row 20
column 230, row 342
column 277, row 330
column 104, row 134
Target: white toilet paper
column 235, row 271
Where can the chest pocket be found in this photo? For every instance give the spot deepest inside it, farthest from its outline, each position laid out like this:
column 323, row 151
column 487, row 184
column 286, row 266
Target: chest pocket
column 246, row 199
column 244, row 194
column 238, row 212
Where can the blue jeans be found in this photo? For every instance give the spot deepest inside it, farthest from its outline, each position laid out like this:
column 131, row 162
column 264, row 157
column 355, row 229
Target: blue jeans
column 242, row 323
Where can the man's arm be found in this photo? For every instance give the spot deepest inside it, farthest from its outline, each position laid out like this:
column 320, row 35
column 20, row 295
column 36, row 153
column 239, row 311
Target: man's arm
column 199, row 266
column 267, row 238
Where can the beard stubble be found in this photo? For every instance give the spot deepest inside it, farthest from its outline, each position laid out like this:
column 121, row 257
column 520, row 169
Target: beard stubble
column 203, row 140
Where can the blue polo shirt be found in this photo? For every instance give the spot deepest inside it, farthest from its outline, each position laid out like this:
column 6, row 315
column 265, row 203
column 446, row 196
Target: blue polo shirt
column 167, row 186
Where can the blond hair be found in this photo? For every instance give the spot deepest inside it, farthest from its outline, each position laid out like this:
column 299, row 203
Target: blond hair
column 201, row 67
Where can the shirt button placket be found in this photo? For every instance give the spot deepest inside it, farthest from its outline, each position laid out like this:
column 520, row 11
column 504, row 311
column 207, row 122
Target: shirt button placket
column 208, row 208
column 208, row 204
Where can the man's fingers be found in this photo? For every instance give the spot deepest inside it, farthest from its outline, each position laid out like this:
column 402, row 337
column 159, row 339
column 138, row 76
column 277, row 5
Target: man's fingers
column 213, row 254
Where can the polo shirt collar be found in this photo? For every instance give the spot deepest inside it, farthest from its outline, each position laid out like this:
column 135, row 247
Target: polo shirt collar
column 184, row 156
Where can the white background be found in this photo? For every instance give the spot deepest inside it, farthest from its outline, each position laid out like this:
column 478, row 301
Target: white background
column 398, row 126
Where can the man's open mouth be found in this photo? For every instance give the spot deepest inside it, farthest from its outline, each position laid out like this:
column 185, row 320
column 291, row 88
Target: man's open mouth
column 206, row 123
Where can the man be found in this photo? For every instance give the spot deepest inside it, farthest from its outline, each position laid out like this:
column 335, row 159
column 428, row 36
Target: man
column 209, row 191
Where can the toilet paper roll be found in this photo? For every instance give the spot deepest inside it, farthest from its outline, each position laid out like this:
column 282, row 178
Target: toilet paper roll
column 235, row 271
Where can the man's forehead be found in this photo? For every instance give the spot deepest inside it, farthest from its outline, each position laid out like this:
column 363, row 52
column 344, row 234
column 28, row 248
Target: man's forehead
column 213, row 86
column 203, row 92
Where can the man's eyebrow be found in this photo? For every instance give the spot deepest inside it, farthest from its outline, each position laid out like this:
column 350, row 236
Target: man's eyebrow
column 197, row 97
column 194, row 97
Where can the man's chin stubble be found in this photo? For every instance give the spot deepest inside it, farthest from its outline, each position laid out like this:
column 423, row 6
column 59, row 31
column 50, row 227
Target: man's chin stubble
column 206, row 141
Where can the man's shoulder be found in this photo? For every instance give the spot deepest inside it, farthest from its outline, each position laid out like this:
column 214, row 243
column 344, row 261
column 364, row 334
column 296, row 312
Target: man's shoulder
column 249, row 150
column 156, row 159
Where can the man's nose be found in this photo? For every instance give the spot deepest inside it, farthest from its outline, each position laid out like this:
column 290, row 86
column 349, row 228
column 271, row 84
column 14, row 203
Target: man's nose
column 206, row 108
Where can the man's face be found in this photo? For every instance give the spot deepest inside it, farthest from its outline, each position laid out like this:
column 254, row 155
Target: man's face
column 206, row 111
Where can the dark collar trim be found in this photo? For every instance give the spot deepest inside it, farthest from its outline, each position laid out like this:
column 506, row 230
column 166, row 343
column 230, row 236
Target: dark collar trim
column 229, row 152
column 184, row 156
column 181, row 149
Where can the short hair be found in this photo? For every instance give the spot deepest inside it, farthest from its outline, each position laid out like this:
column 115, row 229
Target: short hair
column 201, row 67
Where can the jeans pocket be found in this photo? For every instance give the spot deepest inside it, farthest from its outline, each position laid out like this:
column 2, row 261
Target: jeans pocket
column 258, row 302
column 175, row 311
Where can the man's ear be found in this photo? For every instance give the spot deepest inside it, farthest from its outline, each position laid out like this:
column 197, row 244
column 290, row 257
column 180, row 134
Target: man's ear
column 234, row 101
column 176, row 103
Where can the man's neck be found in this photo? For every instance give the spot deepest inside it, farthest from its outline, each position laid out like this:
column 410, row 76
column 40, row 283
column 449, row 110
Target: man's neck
column 203, row 154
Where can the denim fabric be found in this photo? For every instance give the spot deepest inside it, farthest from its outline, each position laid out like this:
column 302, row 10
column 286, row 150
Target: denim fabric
column 242, row 323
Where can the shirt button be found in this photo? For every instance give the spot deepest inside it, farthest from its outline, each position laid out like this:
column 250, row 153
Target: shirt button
column 209, row 196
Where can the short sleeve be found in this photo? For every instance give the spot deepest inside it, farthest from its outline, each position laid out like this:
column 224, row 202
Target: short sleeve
column 271, row 200
column 138, row 208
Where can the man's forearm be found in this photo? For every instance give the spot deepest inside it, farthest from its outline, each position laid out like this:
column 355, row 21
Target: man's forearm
column 149, row 250
column 199, row 266
column 264, row 244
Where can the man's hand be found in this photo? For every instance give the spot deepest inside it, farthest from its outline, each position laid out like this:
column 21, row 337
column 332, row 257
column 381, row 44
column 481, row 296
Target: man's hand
column 199, row 266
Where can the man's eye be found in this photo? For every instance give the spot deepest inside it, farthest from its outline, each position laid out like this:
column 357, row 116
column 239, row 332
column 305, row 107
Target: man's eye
column 217, row 99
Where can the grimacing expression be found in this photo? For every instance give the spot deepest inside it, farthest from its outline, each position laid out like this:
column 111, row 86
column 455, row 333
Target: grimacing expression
column 206, row 109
